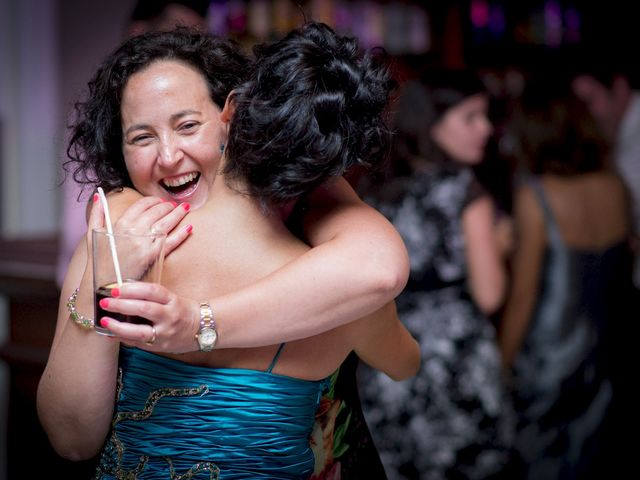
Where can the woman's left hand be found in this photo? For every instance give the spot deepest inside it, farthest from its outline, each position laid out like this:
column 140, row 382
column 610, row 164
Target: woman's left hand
column 175, row 320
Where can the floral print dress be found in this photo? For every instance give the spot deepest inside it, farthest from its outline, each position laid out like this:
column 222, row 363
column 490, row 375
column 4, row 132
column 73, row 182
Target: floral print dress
column 341, row 441
column 452, row 420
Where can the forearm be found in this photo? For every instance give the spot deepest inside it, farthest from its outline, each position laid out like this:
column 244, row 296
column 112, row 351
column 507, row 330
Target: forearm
column 76, row 392
column 329, row 286
column 488, row 287
column 384, row 343
column 487, row 274
column 513, row 327
column 76, row 396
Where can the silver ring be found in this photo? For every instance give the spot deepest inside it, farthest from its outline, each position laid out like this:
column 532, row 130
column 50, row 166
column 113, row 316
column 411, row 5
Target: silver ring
column 153, row 337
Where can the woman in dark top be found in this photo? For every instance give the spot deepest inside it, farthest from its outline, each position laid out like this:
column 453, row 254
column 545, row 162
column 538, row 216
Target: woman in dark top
column 450, row 421
column 571, row 274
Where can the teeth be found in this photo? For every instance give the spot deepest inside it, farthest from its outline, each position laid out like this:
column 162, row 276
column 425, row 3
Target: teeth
column 179, row 181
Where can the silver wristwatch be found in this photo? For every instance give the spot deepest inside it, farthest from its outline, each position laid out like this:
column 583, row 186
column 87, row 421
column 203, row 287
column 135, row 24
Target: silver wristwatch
column 207, row 335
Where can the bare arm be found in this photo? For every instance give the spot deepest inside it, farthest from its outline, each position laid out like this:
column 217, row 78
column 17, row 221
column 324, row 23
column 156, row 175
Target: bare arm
column 76, row 393
column 383, row 342
column 487, row 272
column 358, row 264
column 77, row 389
column 527, row 259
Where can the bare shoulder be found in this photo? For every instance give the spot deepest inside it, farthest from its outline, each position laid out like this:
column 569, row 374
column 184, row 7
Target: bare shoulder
column 125, row 197
column 527, row 211
column 120, row 200
column 614, row 182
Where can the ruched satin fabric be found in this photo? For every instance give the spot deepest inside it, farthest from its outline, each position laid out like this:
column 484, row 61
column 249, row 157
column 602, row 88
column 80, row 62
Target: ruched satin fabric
column 173, row 417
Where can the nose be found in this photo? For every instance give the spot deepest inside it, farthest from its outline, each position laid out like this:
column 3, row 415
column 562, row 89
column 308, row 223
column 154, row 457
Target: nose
column 487, row 126
column 169, row 152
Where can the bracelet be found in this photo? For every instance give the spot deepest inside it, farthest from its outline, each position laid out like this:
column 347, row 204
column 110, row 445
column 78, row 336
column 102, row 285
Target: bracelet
column 74, row 315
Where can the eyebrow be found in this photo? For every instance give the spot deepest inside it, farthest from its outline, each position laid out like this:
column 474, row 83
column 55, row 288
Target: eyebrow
column 174, row 117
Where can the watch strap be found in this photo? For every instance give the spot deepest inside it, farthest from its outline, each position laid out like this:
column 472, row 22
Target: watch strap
column 206, row 316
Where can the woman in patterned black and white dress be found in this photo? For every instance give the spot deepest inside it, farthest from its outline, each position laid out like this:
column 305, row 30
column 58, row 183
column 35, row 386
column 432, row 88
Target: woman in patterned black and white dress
column 453, row 420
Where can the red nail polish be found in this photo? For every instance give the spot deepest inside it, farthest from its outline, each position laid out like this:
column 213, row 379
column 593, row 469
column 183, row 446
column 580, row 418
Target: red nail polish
column 95, row 197
column 189, row 228
column 104, row 303
column 186, row 207
column 174, row 204
column 104, row 322
column 115, row 292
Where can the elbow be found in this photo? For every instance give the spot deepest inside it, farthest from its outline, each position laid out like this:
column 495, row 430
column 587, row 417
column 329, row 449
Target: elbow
column 391, row 274
column 74, row 453
column 391, row 282
column 66, row 437
column 489, row 306
column 71, row 445
column 489, row 301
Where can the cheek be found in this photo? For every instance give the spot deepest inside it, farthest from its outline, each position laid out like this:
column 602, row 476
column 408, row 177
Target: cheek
column 448, row 137
column 205, row 149
column 139, row 166
column 461, row 142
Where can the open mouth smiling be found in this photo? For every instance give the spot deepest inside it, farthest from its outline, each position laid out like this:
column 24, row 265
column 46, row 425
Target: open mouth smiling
column 182, row 185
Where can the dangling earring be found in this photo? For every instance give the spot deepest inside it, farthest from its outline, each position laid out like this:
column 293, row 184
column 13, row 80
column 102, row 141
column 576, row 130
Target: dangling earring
column 222, row 148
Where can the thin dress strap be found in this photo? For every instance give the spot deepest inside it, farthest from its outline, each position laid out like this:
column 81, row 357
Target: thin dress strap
column 275, row 358
column 552, row 228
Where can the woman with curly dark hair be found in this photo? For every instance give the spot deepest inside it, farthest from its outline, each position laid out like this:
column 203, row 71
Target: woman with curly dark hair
column 158, row 400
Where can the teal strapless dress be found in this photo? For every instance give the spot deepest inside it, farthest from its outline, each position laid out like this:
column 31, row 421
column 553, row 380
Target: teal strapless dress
column 174, row 420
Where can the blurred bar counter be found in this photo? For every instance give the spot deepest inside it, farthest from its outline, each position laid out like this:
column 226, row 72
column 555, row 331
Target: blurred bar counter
column 27, row 281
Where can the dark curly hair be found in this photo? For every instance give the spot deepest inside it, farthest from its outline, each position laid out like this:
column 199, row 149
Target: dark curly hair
column 312, row 107
column 95, row 147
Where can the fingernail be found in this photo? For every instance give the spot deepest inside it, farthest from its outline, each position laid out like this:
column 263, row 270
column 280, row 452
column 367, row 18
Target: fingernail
column 174, row 204
column 115, row 292
column 104, row 322
column 95, row 197
column 104, row 303
column 186, row 207
column 189, row 228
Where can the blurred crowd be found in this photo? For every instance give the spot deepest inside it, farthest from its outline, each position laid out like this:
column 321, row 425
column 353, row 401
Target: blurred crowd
column 516, row 193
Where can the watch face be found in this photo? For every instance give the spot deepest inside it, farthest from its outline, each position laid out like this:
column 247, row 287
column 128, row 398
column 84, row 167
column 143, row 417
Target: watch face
column 207, row 337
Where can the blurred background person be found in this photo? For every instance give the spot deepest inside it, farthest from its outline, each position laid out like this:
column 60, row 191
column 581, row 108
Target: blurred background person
column 610, row 91
column 147, row 15
column 453, row 419
column 571, row 273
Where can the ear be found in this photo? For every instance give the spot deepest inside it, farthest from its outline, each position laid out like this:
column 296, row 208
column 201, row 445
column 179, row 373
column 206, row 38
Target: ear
column 229, row 108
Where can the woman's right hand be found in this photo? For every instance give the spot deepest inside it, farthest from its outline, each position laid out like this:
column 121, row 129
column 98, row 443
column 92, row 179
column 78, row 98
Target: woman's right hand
column 175, row 319
column 129, row 210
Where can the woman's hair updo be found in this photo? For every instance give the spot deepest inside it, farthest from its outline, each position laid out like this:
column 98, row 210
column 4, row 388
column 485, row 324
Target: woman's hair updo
column 312, row 108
